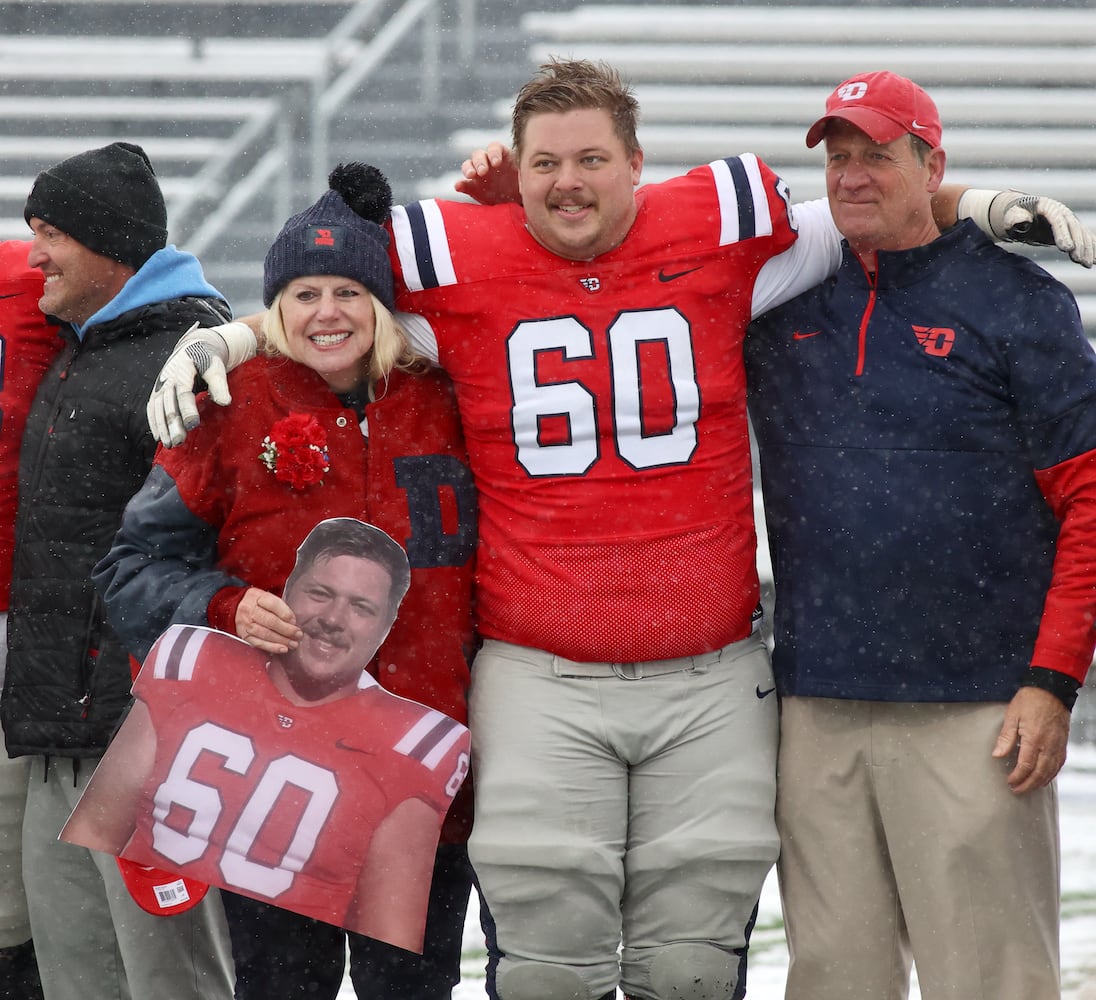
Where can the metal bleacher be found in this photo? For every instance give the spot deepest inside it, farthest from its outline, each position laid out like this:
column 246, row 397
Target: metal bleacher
column 1014, row 87
column 188, row 139
column 241, row 105
column 244, row 105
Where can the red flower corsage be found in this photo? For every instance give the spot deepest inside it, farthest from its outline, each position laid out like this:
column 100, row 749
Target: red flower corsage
column 295, row 450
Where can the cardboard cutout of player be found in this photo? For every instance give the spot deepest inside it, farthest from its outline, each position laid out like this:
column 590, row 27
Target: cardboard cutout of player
column 294, row 779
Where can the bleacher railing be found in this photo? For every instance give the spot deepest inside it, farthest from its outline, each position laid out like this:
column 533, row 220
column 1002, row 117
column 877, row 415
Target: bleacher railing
column 334, row 96
column 354, row 50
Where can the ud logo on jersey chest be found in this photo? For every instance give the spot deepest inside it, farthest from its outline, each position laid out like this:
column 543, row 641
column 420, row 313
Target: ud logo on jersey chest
column 285, row 721
column 591, row 285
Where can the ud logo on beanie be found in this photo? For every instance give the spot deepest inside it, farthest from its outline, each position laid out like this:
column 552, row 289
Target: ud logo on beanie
column 107, row 199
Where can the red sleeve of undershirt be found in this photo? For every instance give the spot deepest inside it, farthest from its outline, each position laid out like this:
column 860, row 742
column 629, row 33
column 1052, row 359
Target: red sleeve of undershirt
column 1066, row 633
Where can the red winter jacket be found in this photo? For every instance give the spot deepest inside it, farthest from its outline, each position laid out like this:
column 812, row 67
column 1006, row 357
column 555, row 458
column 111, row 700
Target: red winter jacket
column 212, row 520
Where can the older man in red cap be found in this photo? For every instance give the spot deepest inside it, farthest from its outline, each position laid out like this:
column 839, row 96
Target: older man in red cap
column 927, row 429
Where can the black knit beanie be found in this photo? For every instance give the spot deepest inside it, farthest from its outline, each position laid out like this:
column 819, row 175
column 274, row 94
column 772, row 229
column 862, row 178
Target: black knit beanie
column 339, row 235
column 107, row 199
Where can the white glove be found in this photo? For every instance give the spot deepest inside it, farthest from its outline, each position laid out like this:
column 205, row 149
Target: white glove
column 201, row 353
column 1031, row 219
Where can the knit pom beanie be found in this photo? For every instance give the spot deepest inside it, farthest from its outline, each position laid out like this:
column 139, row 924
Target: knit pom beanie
column 339, row 235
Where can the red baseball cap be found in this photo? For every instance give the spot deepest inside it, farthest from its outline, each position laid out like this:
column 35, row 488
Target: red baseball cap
column 885, row 106
column 161, row 893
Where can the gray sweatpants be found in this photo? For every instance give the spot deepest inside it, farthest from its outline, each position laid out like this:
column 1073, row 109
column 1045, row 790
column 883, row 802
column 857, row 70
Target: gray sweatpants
column 91, row 939
column 14, row 921
column 621, row 804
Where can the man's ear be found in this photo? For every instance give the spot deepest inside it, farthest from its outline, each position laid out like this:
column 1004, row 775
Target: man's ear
column 935, row 163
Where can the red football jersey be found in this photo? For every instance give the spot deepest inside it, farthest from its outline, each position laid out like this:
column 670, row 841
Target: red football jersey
column 604, row 408
column 270, row 799
column 27, row 346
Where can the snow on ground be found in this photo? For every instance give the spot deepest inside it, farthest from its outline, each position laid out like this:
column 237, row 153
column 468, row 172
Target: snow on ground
column 769, row 956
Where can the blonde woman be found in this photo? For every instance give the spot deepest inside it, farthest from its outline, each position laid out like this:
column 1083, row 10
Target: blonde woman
column 336, row 419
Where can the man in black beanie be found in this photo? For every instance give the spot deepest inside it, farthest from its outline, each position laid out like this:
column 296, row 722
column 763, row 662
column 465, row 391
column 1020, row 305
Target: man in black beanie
column 120, row 293
column 107, row 199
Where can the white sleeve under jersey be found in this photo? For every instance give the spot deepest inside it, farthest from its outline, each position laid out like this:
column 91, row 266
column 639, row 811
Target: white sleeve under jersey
column 421, row 335
column 814, row 256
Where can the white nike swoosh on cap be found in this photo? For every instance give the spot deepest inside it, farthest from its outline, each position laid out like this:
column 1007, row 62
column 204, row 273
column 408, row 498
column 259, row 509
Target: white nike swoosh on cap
column 916, row 124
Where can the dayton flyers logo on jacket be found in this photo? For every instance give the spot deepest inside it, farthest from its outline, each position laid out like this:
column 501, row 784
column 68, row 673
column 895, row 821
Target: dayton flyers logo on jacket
column 936, row 340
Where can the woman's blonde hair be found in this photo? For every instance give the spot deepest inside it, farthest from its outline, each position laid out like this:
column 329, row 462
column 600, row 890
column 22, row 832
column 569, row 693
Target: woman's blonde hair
column 391, row 347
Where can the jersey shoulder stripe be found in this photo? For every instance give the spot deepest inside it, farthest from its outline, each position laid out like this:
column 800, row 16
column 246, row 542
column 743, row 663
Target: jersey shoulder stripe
column 175, row 654
column 743, row 200
column 430, row 739
column 422, row 246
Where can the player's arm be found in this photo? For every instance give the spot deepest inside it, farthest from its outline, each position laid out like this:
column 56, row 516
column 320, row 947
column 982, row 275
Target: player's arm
column 394, row 885
column 207, row 355
column 1016, row 217
column 106, row 815
column 816, row 252
column 490, row 177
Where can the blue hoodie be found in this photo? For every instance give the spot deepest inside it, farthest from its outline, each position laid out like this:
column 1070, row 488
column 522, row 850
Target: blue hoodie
column 168, row 274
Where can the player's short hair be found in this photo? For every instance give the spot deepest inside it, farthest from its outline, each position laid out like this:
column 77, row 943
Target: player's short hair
column 347, row 536
column 562, row 85
column 391, row 348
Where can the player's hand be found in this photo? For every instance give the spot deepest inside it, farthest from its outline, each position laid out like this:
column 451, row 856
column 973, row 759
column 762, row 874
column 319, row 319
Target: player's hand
column 266, row 622
column 206, row 354
column 1032, row 219
column 172, row 410
column 1029, row 218
column 490, row 176
column 1037, row 727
